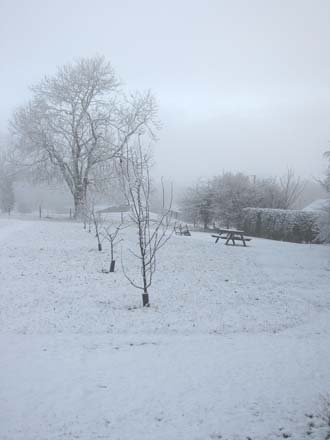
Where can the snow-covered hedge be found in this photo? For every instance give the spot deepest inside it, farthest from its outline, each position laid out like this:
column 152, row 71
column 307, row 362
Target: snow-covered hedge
column 281, row 224
column 324, row 224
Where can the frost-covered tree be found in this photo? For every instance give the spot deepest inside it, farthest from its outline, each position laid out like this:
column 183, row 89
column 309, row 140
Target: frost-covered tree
column 232, row 193
column 77, row 122
column 197, row 204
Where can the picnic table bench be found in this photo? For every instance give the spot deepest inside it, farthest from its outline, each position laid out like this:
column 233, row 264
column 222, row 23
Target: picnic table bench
column 232, row 235
column 182, row 230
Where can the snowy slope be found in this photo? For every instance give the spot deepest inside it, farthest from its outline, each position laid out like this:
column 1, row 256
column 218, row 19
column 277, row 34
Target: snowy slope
column 235, row 344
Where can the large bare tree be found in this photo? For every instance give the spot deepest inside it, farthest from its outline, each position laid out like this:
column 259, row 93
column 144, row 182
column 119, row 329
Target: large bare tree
column 78, row 121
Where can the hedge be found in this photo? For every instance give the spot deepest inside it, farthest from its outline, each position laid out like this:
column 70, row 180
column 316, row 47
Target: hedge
column 281, row 224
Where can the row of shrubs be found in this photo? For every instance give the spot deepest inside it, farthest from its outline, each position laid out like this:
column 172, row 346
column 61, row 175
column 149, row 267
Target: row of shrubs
column 280, row 224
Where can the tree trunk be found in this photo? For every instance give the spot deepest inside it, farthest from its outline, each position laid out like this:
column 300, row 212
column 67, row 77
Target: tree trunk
column 145, row 299
column 112, row 266
column 79, row 198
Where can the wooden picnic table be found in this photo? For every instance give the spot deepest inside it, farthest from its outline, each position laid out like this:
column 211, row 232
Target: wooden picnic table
column 232, row 235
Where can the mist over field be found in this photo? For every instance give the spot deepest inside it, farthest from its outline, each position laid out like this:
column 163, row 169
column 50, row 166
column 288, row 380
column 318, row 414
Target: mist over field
column 241, row 86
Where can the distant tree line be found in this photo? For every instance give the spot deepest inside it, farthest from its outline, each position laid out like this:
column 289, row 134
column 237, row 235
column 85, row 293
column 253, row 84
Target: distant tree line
column 222, row 199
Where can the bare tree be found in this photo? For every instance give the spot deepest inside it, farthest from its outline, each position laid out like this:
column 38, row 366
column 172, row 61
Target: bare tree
column 291, row 189
column 152, row 235
column 111, row 234
column 97, row 221
column 268, row 193
column 86, row 215
column 77, row 122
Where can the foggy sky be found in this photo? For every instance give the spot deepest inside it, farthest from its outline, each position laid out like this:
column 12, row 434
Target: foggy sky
column 241, row 85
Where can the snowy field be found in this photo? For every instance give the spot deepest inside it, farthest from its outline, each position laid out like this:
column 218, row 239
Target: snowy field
column 235, row 345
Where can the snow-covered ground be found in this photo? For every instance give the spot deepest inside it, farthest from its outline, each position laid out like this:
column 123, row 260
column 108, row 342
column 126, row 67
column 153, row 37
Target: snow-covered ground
column 235, row 345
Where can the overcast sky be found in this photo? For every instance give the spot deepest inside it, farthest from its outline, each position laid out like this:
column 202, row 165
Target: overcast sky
column 242, row 85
